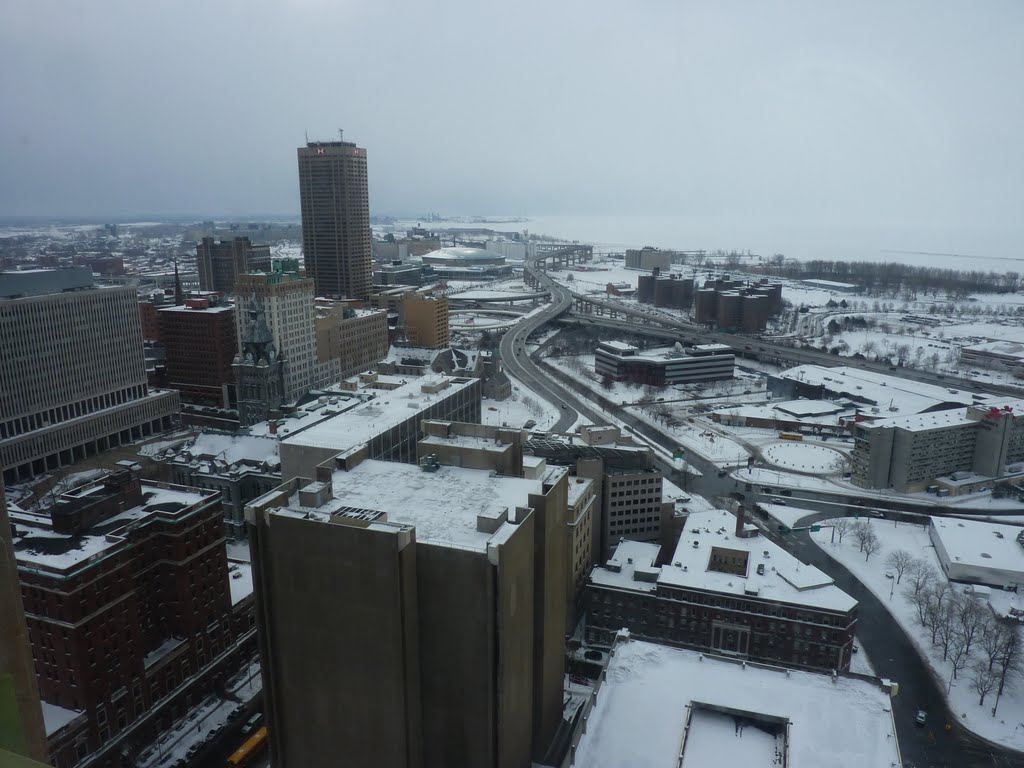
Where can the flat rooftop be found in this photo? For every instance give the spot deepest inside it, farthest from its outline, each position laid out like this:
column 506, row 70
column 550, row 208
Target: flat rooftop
column 37, row 544
column 785, row 579
column 443, row 506
column 650, row 691
column 892, row 395
column 923, row 422
column 388, row 409
column 1001, row 348
column 981, row 544
column 230, row 449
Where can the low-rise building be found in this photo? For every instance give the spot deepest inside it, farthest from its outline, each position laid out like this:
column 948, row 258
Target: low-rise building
column 663, row 365
column 725, row 590
column 979, row 552
column 665, row 706
column 1000, row 355
column 385, row 427
column 648, row 258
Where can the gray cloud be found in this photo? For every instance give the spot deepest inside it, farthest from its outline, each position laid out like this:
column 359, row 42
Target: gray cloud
column 829, row 112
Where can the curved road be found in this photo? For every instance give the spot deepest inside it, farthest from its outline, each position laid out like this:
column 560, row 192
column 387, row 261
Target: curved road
column 883, row 639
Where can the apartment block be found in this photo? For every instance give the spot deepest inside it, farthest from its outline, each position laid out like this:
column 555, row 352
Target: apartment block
column 85, row 343
column 910, row 453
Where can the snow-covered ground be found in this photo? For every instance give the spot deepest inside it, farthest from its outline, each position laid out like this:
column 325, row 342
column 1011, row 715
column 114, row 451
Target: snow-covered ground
column 804, row 457
column 1007, row 727
column 524, row 405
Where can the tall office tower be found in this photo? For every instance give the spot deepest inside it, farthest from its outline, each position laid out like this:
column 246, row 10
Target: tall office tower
column 25, row 732
column 336, row 218
column 220, row 263
column 429, row 647
column 287, row 301
column 72, row 372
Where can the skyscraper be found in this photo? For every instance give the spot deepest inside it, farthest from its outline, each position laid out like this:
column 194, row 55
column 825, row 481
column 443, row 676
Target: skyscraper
column 336, row 218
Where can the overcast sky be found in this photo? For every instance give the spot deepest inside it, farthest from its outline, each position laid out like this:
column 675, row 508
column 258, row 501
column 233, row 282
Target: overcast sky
column 833, row 111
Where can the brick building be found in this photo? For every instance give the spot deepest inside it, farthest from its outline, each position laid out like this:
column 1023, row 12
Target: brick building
column 199, row 343
column 725, row 590
column 126, row 596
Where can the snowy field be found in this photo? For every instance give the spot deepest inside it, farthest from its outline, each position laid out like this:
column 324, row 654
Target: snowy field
column 1007, row 727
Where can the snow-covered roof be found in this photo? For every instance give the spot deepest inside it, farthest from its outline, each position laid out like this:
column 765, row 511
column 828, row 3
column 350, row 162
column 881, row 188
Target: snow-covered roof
column 891, row 394
column 239, row 580
column 923, row 422
column 641, row 714
column 232, row 449
column 442, row 505
column 55, row 718
column 980, row 544
column 808, row 407
column 785, row 579
column 632, row 561
column 373, row 417
column 36, row 544
column 1002, row 348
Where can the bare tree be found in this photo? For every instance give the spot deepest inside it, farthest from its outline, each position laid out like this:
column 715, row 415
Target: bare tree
column 842, row 527
column 983, row 681
column 1009, row 661
column 870, row 545
column 919, row 600
column 992, row 631
column 935, row 609
column 899, row 560
column 920, row 574
column 860, row 530
column 970, row 618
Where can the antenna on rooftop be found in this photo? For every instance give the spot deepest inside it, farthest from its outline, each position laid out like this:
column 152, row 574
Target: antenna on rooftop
column 307, row 136
column 341, row 134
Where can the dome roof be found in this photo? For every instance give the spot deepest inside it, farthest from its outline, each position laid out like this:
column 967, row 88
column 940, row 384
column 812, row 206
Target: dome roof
column 465, row 255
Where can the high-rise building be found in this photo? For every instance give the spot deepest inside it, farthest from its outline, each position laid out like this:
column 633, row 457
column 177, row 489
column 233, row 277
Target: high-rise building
column 73, row 379
column 335, row 205
column 258, row 369
column 440, row 640
column 199, row 343
column 221, row 262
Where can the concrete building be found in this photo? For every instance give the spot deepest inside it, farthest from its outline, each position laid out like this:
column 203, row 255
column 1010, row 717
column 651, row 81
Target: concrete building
column 73, row 380
column 385, row 427
column 979, row 552
column 430, row 647
column 457, row 263
column 627, row 487
column 288, row 304
column 648, row 258
column 221, row 262
column 24, row 730
column 665, row 706
column 663, row 365
column 199, row 342
column 998, row 355
column 734, row 305
column 724, row 590
column 910, row 453
column 426, row 320
column 398, row 273
column 348, row 341
column 125, row 587
column 335, row 204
